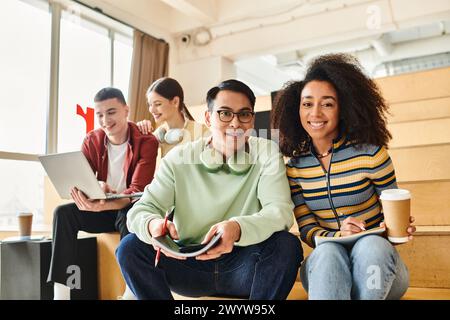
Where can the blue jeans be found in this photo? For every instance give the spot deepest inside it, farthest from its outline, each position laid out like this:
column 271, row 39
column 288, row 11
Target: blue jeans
column 266, row 270
column 370, row 270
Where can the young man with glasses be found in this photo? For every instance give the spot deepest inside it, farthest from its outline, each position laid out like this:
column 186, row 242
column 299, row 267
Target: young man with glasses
column 230, row 183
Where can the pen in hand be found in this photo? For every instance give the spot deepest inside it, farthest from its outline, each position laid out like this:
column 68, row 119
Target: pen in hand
column 169, row 216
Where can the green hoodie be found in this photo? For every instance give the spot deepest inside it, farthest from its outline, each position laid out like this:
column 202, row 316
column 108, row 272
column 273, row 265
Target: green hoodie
column 259, row 200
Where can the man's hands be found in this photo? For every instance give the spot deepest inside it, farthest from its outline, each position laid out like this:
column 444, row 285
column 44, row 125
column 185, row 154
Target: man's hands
column 231, row 232
column 85, row 204
column 155, row 227
column 106, row 188
column 145, row 126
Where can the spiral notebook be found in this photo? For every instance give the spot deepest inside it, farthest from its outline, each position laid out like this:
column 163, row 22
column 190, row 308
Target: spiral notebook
column 168, row 244
column 349, row 240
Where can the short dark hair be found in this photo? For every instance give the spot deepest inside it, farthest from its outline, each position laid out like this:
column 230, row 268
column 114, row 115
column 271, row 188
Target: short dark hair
column 231, row 85
column 362, row 107
column 110, row 93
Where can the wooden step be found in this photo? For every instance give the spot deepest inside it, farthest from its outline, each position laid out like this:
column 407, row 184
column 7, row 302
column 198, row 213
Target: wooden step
column 413, row 293
column 427, row 256
column 433, row 231
column 299, row 293
column 436, row 108
column 423, row 85
column 420, row 133
column 110, row 281
column 417, row 164
column 430, row 202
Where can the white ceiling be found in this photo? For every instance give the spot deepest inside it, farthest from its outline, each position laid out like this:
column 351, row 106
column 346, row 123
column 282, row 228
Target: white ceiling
column 270, row 41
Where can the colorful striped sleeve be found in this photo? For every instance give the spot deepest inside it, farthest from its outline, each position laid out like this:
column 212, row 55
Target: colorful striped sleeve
column 382, row 171
column 306, row 219
column 309, row 232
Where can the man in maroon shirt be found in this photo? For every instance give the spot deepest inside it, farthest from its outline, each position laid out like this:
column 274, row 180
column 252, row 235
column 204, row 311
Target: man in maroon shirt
column 124, row 161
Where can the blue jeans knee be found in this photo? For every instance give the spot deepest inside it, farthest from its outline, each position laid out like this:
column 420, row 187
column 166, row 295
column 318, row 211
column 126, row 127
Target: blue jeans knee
column 288, row 247
column 127, row 248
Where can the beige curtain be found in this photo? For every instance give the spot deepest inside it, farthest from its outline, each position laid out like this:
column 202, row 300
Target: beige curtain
column 150, row 62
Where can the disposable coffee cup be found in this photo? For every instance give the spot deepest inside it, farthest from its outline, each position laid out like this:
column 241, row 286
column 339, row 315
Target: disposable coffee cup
column 25, row 220
column 396, row 209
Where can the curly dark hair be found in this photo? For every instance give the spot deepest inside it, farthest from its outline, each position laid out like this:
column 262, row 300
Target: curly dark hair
column 362, row 107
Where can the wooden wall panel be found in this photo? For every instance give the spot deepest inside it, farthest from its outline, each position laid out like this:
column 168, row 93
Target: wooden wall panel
column 111, row 284
column 422, row 163
column 430, row 202
column 428, row 260
column 420, row 133
column 420, row 110
column 422, row 85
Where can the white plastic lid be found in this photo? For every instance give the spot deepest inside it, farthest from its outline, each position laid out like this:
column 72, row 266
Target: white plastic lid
column 395, row 194
column 24, row 214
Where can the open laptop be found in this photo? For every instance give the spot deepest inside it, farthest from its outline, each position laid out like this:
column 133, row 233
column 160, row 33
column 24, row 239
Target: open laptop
column 71, row 169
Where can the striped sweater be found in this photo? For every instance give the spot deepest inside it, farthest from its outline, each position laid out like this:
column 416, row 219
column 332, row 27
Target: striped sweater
column 350, row 188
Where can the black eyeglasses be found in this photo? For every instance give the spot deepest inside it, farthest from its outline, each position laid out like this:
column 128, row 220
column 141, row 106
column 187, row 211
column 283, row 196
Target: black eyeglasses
column 243, row 116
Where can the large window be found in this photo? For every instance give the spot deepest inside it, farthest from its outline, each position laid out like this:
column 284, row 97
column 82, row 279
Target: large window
column 84, row 68
column 123, row 53
column 86, row 52
column 21, row 186
column 94, row 52
column 25, row 32
column 25, row 40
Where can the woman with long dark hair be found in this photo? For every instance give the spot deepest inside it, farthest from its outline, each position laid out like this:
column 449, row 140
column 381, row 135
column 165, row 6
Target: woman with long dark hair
column 175, row 125
column 333, row 127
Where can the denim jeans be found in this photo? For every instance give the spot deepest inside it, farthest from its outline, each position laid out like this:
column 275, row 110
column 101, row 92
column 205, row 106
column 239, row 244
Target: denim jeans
column 370, row 270
column 68, row 220
column 266, row 270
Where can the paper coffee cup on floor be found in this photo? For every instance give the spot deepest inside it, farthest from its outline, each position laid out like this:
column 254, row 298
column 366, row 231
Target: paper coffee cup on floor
column 25, row 220
column 396, row 209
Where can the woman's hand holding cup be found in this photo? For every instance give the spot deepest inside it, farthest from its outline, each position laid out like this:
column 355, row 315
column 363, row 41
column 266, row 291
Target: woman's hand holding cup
column 396, row 210
column 411, row 229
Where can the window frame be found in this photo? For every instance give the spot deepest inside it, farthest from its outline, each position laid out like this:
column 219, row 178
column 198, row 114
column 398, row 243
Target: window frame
column 93, row 17
column 56, row 8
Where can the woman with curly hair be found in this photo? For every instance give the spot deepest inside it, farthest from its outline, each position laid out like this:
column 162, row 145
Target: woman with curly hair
column 333, row 127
